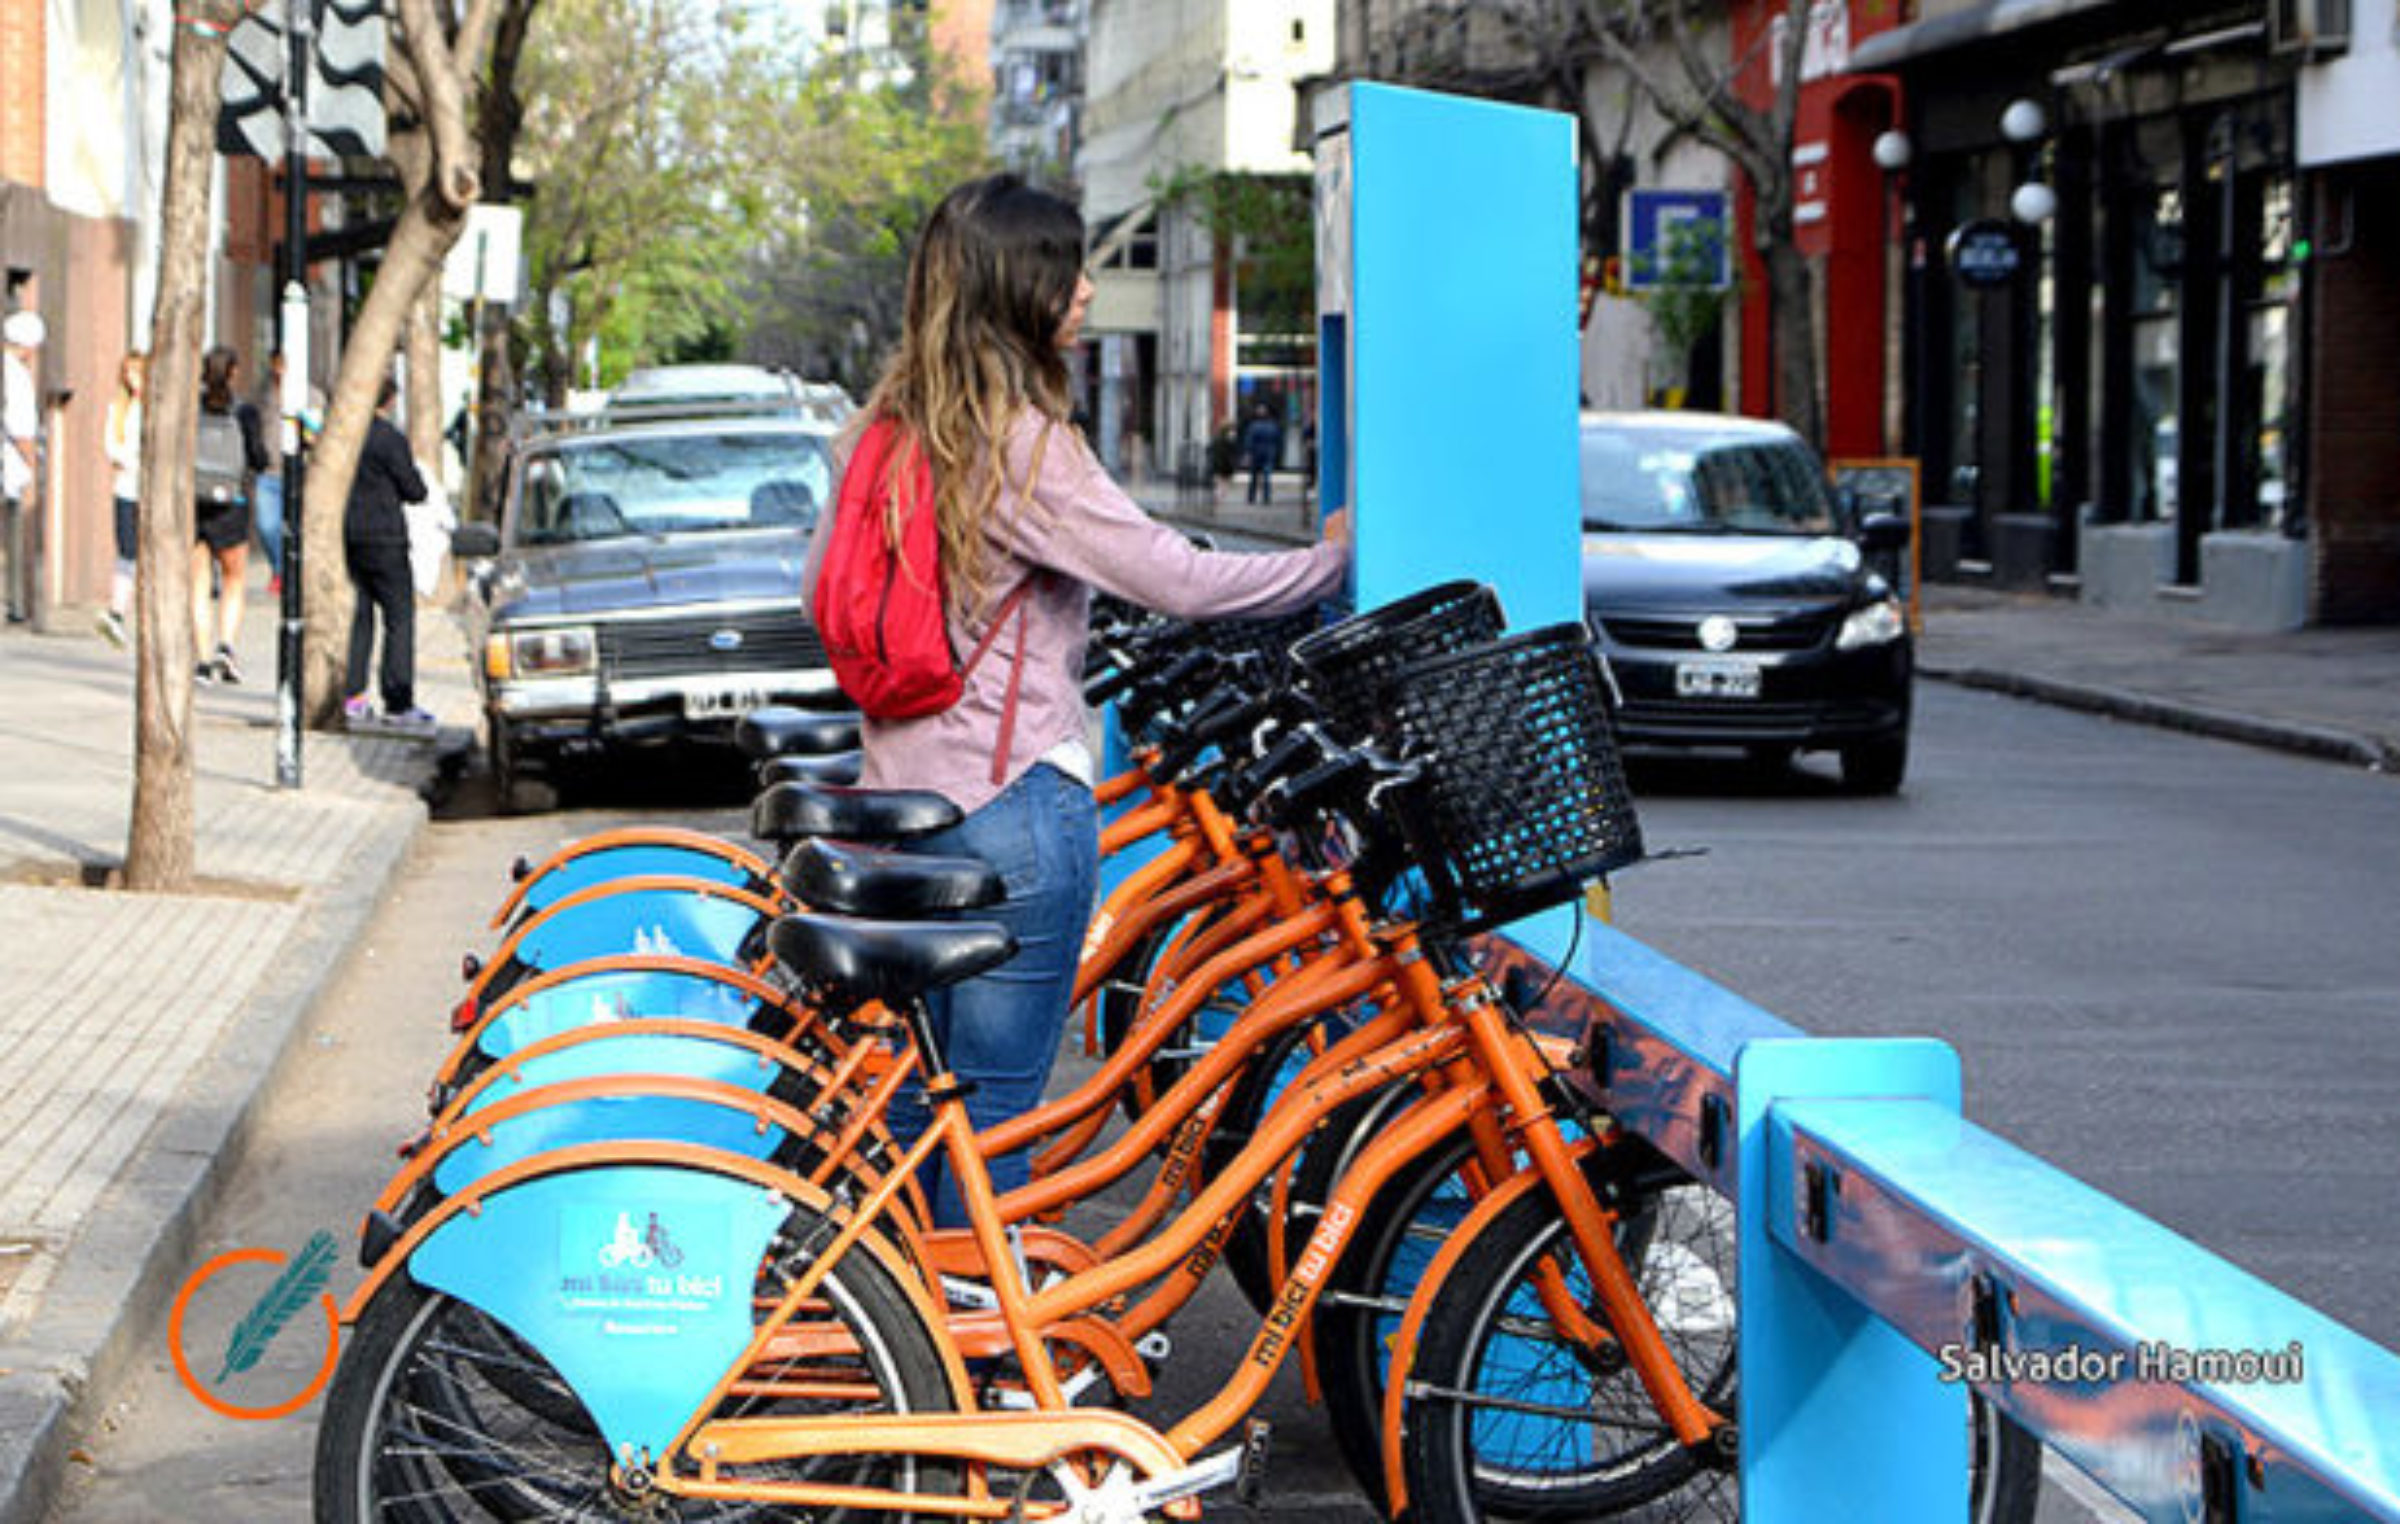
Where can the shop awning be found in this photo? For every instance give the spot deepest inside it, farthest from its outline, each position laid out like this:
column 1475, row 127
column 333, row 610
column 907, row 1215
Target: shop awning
column 1940, row 34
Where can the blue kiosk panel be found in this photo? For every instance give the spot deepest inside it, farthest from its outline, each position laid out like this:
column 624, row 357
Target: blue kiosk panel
column 1449, row 372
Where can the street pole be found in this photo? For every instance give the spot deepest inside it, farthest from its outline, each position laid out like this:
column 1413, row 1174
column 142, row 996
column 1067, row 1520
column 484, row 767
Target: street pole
column 294, row 401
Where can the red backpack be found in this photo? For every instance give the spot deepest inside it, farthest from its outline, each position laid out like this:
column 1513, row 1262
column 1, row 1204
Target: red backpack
column 879, row 609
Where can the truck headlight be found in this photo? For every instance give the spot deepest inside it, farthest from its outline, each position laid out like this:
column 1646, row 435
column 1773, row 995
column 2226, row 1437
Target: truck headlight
column 552, row 651
column 1878, row 624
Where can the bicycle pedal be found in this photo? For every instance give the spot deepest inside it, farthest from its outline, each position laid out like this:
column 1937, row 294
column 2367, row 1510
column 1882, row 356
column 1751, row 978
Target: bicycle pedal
column 1250, row 1483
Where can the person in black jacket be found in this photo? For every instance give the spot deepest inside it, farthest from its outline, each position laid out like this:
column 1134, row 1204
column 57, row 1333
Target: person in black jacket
column 375, row 548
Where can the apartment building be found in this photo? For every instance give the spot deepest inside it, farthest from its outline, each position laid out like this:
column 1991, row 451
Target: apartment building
column 1037, row 86
column 1176, row 88
column 83, row 123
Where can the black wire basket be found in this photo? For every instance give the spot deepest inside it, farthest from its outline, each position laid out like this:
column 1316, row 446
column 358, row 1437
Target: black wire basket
column 1344, row 667
column 1524, row 800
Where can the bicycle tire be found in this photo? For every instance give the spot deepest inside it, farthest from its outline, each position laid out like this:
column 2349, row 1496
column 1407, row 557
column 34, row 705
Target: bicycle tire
column 1245, row 1252
column 1503, row 1418
column 1122, row 998
column 415, row 1431
column 2005, row 1479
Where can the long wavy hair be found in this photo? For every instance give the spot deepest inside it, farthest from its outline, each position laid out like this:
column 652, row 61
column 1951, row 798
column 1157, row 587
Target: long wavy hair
column 989, row 282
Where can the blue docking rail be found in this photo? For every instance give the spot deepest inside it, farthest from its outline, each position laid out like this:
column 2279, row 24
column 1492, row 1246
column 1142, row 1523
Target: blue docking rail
column 1893, row 1255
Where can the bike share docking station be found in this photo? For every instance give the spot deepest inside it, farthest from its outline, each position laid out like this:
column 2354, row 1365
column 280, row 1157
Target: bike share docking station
column 1892, row 1255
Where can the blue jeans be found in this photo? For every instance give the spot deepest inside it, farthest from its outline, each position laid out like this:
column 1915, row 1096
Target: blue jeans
column 268, row 500
column 1001, row 1031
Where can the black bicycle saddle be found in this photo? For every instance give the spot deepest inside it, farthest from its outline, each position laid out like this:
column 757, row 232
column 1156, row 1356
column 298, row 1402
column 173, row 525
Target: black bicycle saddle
column 850, row 962
column 840, row 768
column 888, row 885
column 777, row 730
column 789, row 811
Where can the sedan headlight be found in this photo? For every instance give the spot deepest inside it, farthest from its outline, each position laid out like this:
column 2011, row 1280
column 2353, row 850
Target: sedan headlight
column 552, row 651
column 1878, row 624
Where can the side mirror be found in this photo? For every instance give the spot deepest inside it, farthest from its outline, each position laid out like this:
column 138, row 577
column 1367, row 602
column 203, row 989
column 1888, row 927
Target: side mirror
column 475, row 542
column 1883, row 531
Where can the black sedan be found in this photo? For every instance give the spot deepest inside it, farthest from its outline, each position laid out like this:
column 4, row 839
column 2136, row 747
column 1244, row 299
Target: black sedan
column 1736, row 595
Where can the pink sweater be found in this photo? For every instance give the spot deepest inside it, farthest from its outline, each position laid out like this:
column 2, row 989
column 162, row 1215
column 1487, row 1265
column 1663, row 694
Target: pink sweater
column 1080, row 531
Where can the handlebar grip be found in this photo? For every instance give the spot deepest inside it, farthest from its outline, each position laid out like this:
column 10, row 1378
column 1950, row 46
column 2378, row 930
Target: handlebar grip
column 1108, row 685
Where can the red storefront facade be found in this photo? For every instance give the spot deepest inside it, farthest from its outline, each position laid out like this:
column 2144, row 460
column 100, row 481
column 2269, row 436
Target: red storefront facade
column 1845, row 219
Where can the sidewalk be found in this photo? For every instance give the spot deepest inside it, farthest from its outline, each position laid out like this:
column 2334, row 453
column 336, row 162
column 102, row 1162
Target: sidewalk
column 137, row 1030
column 2331, row 693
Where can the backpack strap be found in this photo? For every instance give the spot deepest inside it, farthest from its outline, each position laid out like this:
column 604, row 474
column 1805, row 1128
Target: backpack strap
column 1014, row 603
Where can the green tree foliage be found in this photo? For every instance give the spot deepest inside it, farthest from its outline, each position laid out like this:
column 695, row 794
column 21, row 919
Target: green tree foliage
column 861, row 164
column 1269, row 223
column 643, row 170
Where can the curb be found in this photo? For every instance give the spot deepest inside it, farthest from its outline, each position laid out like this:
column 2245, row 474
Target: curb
column 2197, row 719
column 126, row 1261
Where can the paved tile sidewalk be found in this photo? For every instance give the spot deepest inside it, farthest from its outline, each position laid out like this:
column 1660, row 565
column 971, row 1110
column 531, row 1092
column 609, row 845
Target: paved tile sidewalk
column 137, row 1030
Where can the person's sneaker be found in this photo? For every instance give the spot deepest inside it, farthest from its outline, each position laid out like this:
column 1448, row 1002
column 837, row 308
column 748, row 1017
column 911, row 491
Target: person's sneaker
column 415, row 721
column 358, row 710
column 111, row 626
column 228, row 669
column 206, row 674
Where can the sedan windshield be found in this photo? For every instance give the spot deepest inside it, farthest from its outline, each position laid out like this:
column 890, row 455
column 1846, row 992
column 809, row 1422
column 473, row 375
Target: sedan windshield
column 673, row 484
column 1674, row 481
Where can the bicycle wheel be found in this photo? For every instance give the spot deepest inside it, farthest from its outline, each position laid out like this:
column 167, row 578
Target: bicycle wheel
column 1508, row 1418
column 1121, row 1009
column 1539, row 1458
column 438, row 1415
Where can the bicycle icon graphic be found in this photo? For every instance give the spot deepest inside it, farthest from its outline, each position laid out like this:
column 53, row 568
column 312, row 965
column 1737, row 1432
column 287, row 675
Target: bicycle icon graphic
column 649, row 1248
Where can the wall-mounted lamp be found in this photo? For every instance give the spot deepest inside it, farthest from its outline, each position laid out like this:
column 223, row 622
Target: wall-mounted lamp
column 2033, row 202
column 1892, row 150
column 2023, row 121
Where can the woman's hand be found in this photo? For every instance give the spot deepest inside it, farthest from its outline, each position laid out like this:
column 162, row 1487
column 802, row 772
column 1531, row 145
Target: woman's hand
column 1336, row 530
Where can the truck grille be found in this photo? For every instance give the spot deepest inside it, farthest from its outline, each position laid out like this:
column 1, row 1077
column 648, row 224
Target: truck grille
column 690, row 647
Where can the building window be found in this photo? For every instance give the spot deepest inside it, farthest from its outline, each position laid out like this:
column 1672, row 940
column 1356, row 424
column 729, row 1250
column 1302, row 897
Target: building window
column 2270, row 357
column 2154, row 307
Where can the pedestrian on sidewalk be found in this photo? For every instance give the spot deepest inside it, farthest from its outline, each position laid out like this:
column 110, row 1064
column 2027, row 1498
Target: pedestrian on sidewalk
column 267, row 408
column 226, row 459
column 121, row 440
column 1262, row 444
column 375, row 549
column 21, row 337
column 1028, row 524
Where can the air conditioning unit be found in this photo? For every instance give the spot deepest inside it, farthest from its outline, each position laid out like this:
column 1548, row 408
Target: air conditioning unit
column 2310, row 28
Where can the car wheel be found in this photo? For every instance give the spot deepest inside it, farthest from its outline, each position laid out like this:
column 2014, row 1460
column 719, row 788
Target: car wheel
column 513, row 789
column 1875, row 767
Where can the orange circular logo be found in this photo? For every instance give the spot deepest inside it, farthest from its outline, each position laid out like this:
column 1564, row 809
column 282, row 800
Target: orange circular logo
column 289, row 1294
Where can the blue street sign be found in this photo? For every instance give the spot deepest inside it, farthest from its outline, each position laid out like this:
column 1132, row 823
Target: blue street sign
column 1651, row 254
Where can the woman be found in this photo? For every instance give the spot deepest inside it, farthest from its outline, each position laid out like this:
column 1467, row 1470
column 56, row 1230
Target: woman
column 123, row 443
column 222, row 521
column 995, row 300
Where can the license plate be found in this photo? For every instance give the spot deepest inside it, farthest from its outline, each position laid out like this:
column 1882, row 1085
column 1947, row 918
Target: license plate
column 721, row 703
column 1716, row 679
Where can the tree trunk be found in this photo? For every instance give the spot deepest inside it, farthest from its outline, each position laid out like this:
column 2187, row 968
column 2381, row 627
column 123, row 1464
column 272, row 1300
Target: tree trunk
column 425, row 415
column 442, row 184
column 495, row 414
column 424, row 234
column 1792, row 329
column 158, row 848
